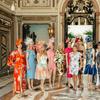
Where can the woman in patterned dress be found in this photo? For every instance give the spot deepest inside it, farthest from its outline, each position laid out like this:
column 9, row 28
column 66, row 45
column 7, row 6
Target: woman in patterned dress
column 51, row 64
column 81, row 49
column 90, row 69
column 75, row 56
column 31, row 62
column 98, row 66
column 17, row 59
column 41, row 69
column 59, row 59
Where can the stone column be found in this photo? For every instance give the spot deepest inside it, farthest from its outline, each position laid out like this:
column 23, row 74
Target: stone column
column 97, row 26
column 51, row 3
column 60, row 27
column 19, row 26
column 55, row 3
column 15, row 30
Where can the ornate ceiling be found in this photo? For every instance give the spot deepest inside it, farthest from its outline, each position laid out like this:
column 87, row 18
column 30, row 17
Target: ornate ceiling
column 30, row 3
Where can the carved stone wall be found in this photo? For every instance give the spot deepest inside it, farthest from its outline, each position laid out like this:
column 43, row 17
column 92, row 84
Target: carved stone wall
column 35, row 3
column 6, row 41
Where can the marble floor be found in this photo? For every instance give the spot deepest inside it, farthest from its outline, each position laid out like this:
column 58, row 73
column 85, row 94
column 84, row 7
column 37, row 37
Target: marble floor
column 59, row 94
column 54, row 93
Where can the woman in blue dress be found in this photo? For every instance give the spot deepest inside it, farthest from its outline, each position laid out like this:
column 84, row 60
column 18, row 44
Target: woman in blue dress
column 31, row 62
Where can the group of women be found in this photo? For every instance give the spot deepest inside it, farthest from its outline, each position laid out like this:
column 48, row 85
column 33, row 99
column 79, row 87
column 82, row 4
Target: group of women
column 82, row 60
column 41, row 61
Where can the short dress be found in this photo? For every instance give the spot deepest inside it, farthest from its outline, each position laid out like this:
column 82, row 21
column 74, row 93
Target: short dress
column 82, row 57
column 59, row 60
column 68, row 51
column 51, row 62
column 74, row 63
column 89, row 69
column 32, row 64
column 41, row 69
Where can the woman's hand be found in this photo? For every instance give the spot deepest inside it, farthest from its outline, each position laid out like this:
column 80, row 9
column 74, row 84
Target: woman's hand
column 28, row 67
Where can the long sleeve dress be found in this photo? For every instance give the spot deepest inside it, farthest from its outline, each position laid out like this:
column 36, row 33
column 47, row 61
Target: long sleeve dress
column 18, row 61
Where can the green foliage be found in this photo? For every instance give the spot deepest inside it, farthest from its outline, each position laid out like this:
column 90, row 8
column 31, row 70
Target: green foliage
column 70, row 35
column 89, row 33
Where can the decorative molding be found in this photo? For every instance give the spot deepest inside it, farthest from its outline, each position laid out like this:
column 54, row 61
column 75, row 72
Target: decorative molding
column 35, row 3
column 36, row 18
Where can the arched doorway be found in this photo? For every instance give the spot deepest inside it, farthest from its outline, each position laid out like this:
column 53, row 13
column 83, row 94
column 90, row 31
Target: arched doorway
column 93, row 16
column 80, row 19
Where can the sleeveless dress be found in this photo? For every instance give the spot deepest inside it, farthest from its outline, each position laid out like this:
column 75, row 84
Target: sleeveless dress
column 41, row 69
column 74, row 63
column 82, row 57
column 68, row 51
column 51, row 62
column 59, row 60
column 89, row 69
column 32, row 64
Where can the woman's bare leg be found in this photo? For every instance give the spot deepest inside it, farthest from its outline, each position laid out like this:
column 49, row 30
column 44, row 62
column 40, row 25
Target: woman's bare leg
column 75, row 81
column 50, row 79
column 42, row 85
column 29, row 84
column 32, row 83
column 54, row 75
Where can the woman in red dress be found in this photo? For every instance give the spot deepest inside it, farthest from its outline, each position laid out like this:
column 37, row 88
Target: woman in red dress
column 68, row 50
column 17, row 59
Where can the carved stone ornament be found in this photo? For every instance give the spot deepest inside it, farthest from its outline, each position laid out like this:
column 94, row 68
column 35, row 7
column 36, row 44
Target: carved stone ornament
column 35, row 3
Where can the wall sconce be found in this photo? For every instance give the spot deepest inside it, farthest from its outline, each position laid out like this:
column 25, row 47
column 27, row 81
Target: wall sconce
column 50, row 31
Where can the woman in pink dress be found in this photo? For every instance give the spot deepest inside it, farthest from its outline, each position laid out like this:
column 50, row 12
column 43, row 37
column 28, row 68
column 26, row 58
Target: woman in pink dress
column 68, row 50
column 51, row 64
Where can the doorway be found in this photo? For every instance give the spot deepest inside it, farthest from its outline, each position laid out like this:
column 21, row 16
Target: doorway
column 79, row 19
column 40, row 30
column 4, row 40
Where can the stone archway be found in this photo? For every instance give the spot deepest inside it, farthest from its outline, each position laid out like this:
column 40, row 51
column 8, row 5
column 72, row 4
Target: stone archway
column 61, row 10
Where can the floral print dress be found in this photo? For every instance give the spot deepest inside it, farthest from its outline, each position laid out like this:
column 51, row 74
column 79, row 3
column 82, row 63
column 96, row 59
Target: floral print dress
column 59, row 59
column 18, row 61
column 41, row 69
column 74, row 63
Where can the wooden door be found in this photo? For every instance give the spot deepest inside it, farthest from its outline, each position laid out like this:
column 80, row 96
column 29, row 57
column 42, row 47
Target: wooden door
column 4, row 41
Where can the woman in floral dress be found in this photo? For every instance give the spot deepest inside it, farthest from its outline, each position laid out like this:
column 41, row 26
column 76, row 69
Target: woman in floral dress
column 41, row 68
column 81, row 49
column 17, row 59
column 59, row 58
column 75, row 56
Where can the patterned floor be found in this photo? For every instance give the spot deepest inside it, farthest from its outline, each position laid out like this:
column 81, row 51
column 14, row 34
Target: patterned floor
column 79, row 95
column 59, row 94
column 52, row 93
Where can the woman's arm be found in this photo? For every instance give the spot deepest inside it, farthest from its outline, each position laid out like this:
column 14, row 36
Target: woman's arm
column 93, row 57
column 27, row 62
column 66, row 60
